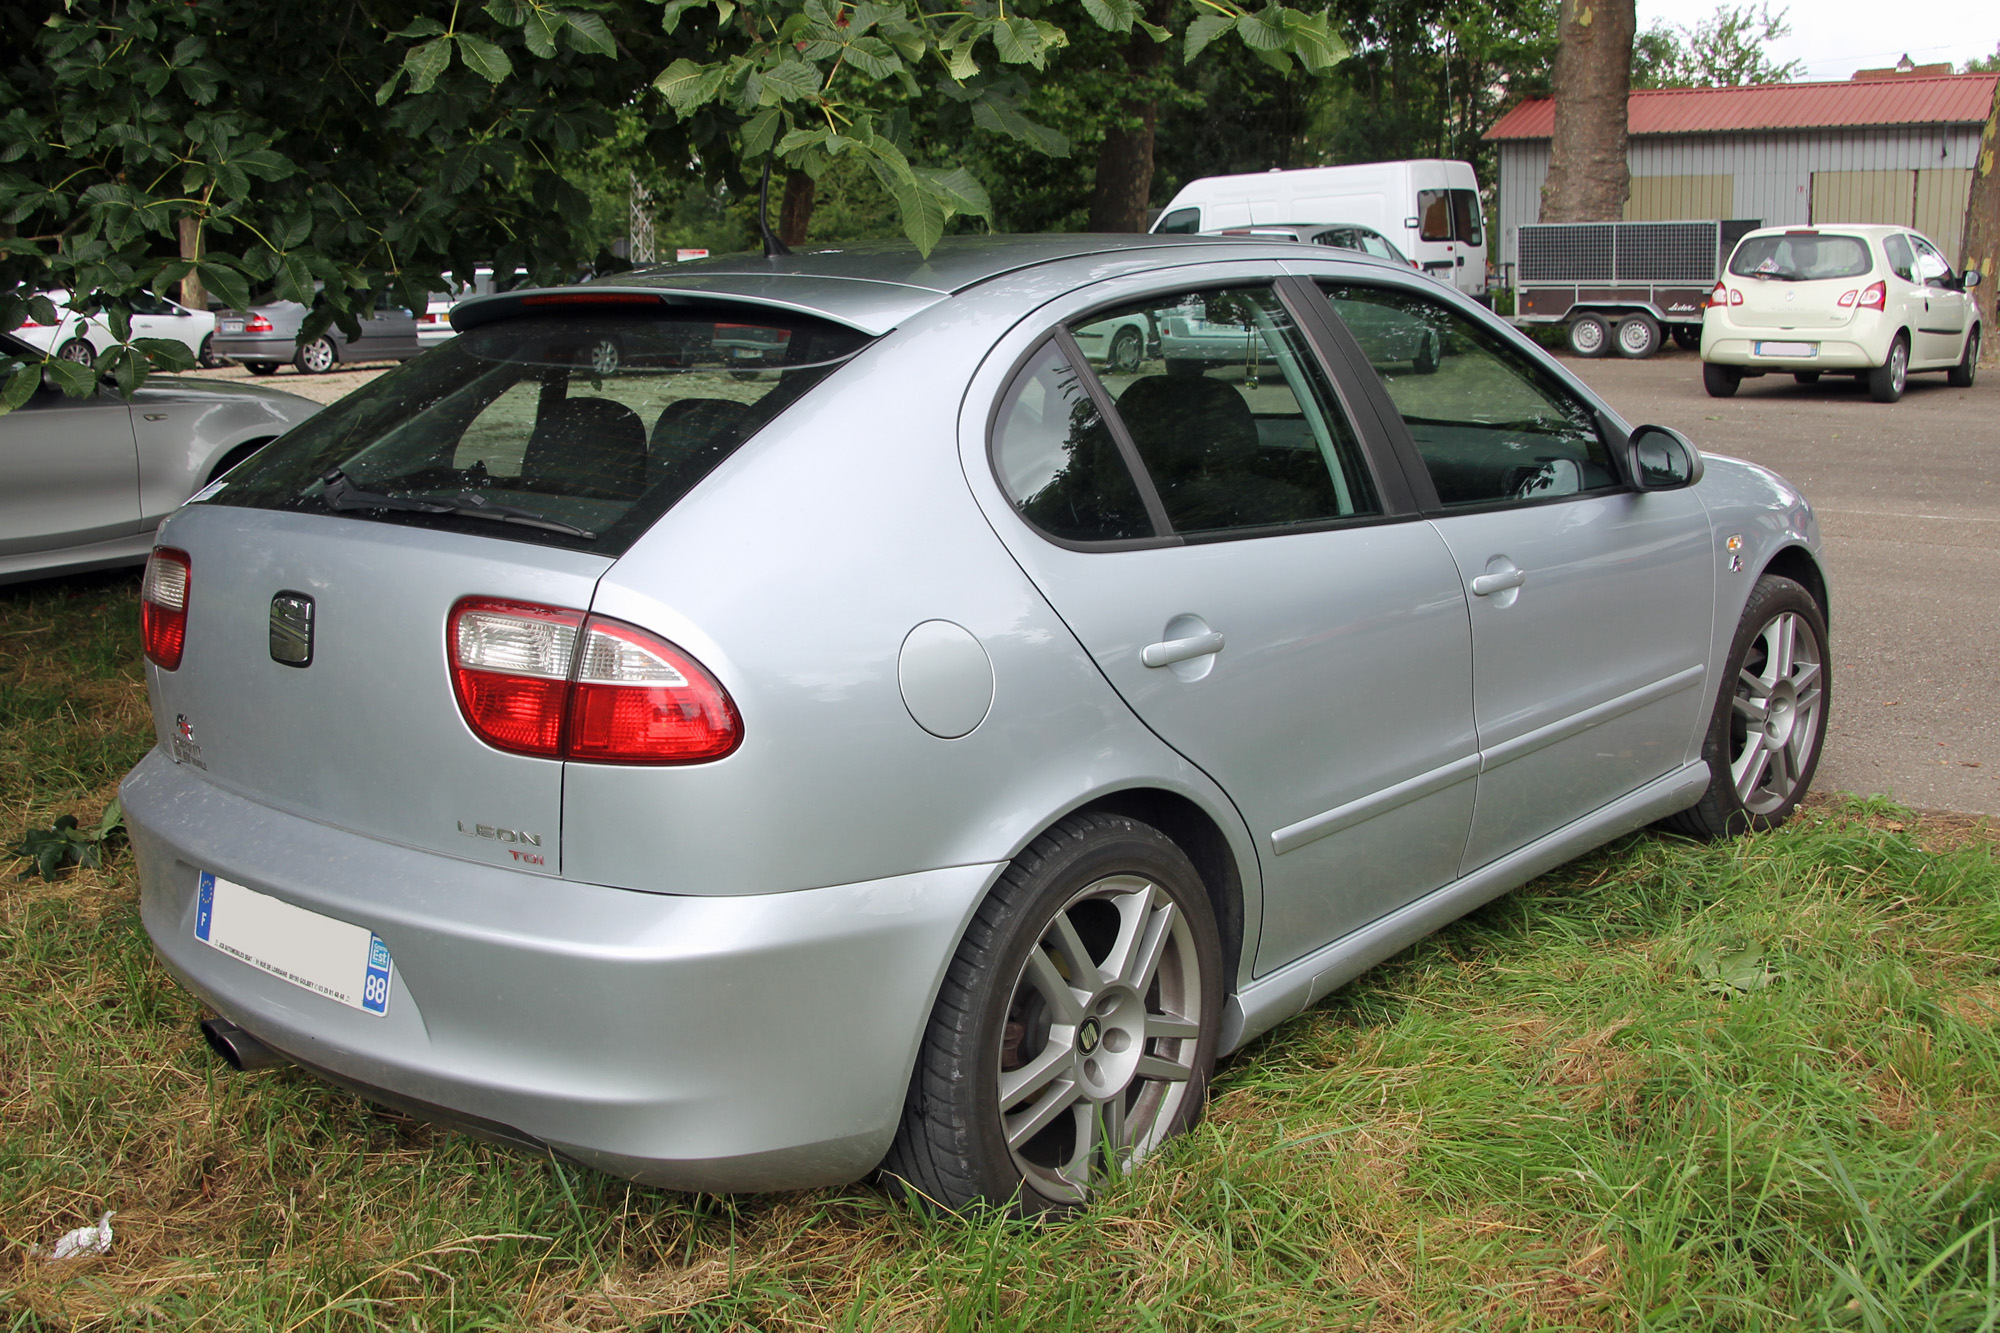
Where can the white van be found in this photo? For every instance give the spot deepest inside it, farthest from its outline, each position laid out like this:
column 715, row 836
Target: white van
column 1429, row 208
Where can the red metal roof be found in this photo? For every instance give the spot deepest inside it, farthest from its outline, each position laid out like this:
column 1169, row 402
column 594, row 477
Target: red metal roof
column 1959, row 100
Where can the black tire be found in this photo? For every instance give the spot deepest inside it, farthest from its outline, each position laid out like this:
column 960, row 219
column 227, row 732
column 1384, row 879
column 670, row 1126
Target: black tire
column 233, row 457
column 1638, row 337
column 1961, row 375
column 207, row 358
column 1090, row 871
column 1886, row 382
column 1687, row 337
column 1720, row 381
column 1429, row 355
column 316, row 357
column 261, row 367
column 79, row 351
column 1806, row 376
column 1796, row 704
column 1589, row 335
column 1128, row 349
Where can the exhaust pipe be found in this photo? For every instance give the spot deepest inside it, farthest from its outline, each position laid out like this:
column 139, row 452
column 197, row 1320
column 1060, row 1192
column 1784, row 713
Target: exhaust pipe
column 243, row 1051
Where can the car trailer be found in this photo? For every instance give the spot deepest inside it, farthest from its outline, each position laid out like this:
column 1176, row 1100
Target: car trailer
column 1626, row 285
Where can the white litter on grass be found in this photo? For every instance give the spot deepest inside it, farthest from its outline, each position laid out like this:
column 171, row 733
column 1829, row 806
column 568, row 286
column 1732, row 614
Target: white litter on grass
column 84, row 1240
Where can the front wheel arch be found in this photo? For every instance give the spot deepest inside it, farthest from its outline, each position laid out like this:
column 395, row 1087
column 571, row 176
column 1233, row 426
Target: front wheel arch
column 234, row 456
column 1797, row 564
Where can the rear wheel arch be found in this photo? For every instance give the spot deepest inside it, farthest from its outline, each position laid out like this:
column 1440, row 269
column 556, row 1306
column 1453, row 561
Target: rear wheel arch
column 1797, row 564
column 1197, row 834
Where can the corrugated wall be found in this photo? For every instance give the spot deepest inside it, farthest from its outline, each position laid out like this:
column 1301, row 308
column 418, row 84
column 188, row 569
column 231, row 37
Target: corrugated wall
column 1771, row 174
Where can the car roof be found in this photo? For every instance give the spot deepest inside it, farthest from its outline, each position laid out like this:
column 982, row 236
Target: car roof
column 1870, row 229
column 872, row 286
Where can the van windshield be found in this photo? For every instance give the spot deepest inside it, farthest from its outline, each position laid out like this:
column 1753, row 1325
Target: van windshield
column 1801, row 257
column 567, row 430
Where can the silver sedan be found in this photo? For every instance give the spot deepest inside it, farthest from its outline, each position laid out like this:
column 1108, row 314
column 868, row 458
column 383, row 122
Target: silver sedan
column 84, row 481
column 916, row 748
column 265, row 337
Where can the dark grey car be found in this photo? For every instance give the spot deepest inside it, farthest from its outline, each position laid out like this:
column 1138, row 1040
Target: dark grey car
column 265, row 337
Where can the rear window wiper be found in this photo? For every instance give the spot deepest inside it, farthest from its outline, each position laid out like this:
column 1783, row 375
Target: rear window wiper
column 340, row 493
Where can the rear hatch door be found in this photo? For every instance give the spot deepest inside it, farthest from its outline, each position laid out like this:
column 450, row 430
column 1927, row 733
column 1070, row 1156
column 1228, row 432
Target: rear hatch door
column 368, row 735
column 1775, row 303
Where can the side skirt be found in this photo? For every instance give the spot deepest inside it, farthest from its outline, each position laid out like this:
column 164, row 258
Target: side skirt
column 1291, row 989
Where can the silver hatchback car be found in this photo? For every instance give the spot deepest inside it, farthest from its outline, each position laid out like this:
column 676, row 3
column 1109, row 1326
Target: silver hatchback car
column 910, row 747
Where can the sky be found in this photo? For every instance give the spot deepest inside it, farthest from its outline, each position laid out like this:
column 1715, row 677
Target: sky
column 1837, row 37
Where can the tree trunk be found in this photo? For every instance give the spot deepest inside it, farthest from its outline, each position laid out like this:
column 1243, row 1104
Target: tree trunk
column 193, row 295
column 795, row 213
column 1982, row 229
column 1124, row 187
column 1589, row 178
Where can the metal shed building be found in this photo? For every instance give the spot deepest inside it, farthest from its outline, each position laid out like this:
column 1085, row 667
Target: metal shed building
column 1890, row 150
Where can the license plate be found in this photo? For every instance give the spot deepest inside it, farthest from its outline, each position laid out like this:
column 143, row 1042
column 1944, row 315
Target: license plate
column 343, row 962
column 1787, row 349
column 231, row 326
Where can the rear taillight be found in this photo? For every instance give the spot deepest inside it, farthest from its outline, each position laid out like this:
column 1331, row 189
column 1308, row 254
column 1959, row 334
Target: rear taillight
column 1874, row 296
column 1735, row 296
column 257, row 324
column 1846, row 299
column 1720, row 296
column 163, row 606
column 429, row 317
column 541, row 680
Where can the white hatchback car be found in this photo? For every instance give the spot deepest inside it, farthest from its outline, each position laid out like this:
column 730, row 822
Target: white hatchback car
column 80, row 338
column 1869, row 301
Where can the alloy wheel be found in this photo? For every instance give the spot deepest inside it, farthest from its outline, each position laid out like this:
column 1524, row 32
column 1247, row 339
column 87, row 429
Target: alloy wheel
column 1776, row 723
column 1098, row 1048
column 1899, row 365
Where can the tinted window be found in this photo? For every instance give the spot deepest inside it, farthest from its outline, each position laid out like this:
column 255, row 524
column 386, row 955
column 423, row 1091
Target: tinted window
column 1490, row 424
column 1434, row 214
column 1357, row 238
column 1801, row 257
column 1235, row 424
column 1057, row 461
column 1465, row 217
column 601, row 422
column 1902, row 260
column 1182, row 221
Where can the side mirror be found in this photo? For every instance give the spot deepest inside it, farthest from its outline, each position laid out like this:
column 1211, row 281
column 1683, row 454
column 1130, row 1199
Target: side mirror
column 1663, row 459
column 1970, row 279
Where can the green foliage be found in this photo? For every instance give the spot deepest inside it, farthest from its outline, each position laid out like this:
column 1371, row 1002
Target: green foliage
column 1983, row 65
column 1725, row 50
column 64, row 843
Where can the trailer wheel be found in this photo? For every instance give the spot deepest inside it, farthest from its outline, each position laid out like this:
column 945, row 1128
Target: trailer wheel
column 1638, row 336
column 1589, row 335
column 1687, row 337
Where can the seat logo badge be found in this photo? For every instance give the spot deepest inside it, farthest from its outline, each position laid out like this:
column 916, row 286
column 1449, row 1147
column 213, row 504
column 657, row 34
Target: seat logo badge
column 517, row 837
column 1087, row 1036
column 292, row 629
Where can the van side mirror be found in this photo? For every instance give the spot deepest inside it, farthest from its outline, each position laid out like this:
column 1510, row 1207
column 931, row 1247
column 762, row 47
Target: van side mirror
column 1663, row 459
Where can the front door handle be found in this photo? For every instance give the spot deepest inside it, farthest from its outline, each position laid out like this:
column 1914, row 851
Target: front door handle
column 1485, row 585
column 1180, row 650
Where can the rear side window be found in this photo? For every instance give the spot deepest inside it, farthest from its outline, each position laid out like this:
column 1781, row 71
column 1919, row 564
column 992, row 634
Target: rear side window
column 1057, row 460
column 1902, row 262
column 1801, row 257
column 570, row 430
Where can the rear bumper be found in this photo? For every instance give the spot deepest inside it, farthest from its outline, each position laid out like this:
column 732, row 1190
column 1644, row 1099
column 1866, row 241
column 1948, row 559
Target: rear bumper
column 249, row 347
column 710, row 1043
column 1826, row 355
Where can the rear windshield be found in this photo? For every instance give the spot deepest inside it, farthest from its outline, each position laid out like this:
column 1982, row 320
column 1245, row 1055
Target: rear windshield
column 1801, row 257
column 575, row 431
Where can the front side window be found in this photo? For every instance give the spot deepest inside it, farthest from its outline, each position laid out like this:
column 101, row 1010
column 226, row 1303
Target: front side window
column 1932, row 268
column 1434, row 215
column 1491, row 426
column 1181, row 222
column 1902, row 260
column 1801, row 256
column 1235, row 424
column 571, row 430
column 1057, row 460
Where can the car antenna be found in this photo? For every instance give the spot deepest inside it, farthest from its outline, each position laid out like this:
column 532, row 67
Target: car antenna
column 773, row 247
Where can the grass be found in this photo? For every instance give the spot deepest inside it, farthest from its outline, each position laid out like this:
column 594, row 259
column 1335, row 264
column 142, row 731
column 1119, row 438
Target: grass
column 1747, row 1086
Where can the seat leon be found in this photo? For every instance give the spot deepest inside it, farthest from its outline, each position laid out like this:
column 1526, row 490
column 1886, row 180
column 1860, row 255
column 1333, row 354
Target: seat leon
column 920, row 746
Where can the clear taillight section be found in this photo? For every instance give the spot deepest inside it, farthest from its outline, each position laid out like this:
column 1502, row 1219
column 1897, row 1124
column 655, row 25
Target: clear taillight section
column 1720, row 296
column 163, row 606
column 545, row 681
column 1846, row 299
column 1874, row 296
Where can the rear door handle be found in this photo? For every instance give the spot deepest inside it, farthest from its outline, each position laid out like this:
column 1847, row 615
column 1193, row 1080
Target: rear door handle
column 1180, row 650
column 1485, row 585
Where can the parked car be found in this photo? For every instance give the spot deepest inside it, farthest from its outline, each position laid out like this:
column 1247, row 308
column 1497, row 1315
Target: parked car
column 434, row 324
column 1342, row 236
column 80, row 338
column 84, row 481
column 1873, row 302
column 266, row 336
column 1428, row 207
column 926, row 753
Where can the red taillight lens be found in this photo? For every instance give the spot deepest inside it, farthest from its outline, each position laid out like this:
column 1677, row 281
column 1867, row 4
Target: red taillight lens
column 1720, row 296
column 640, row 700
column 257, row 324
column 163, row 606
column 541, row 680
column 1875, row 296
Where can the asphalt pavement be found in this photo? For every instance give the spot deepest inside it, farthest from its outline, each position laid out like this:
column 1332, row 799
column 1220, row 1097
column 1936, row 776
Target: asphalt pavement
column 1908, row 497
